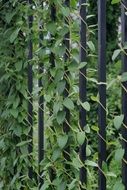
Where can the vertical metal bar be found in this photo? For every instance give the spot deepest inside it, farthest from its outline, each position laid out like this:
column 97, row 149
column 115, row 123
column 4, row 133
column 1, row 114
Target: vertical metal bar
column 66, row 127
column 124, row 93
column 30, row 88
column 53, row 12
column 82, row 85
column 53, row 19
column 40, row 108
column 52, row 62
column 66, row 58
column 102, row 89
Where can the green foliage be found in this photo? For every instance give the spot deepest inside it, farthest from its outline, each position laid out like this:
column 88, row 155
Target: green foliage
column 58, row 172
column 112, row 16
column 115, row 1
column 13, row 96
column 118, row 120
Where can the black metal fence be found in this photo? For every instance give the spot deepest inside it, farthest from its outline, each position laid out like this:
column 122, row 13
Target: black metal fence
column 82, row 89
column 124, row 94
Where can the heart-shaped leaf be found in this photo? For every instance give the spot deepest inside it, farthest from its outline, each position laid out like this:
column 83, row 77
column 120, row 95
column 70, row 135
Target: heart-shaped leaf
column 118, row 120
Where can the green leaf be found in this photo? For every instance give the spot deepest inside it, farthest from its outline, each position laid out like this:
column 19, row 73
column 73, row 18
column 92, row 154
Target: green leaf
column 88, row 151
column 45, row 186
column 94, row 98
column 72, row 184
column 59, row 75
column 59, row 50
column 81, row 137
column 64, row 30
column 14, row 35
column 104, row 167
column 68, row 103
column 73, row 66
column 124, row 77
column 60, row 117
column 14, row 113
column 111, row 83
column 87, row 129
column 115, row 54
column 86, row 106
column 82, row 65
column 95, row 128
column 61, row 87
column 118, row 186
column 76, row 163
column 62, row 186
column 9, row 16
column 51, row 27
column 125, row 45
column 48, row 98
column 18, row 66
column 73, row 3
column 56, row 154
column 118, row 120
column 65, row 11
column 56, row 107
column 91, row 46
column 111, row 174
column 115, row 1
column 1, row 185
column 119, row 154
column 18, row 131
column 23, row 143
column 62, row 141
column 2, row 143
column 91, row 163
column 16, row 103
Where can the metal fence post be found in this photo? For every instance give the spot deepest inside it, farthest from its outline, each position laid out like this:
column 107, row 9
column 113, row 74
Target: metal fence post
column 41, row 107
column 66, row 127
column 82, row 85
column 52, row 60
column 30, row 87
column 124, row 93
column 53, row 19
column 102, row 89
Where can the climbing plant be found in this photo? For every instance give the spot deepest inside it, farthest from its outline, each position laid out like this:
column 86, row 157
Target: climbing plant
column 14, row 96
column 58, row 51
